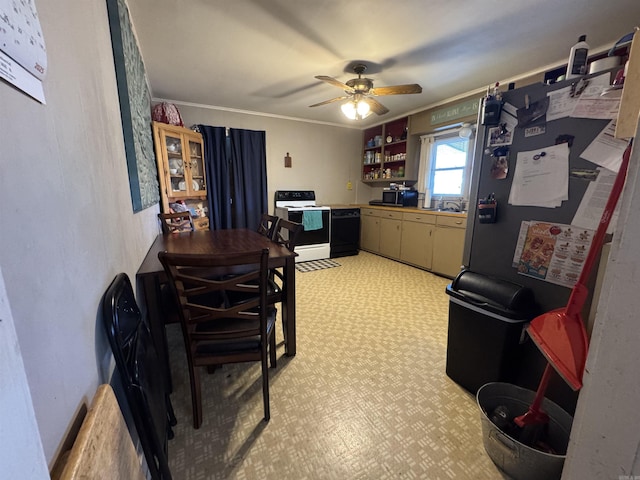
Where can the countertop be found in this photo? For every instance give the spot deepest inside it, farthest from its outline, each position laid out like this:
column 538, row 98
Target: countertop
column 414, row 209
column 429, row 211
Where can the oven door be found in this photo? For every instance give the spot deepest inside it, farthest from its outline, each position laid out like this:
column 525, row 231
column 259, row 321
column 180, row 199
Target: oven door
column 311, row 237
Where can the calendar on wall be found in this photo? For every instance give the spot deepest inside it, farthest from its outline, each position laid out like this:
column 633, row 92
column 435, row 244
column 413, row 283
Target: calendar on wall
column 23, row 55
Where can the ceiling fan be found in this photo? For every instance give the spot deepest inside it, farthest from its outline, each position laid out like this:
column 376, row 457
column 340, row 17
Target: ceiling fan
column 360, row 91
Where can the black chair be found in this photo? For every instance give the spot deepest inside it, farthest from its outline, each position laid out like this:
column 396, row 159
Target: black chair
column 139, row 367
column 287, row 233
column 216, row 331
column 176, row 222
column 268, row 224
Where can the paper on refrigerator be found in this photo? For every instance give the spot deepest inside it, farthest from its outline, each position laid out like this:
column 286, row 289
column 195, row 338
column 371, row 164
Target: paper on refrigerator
column 593, row 202
column 541, row 177
column 562, row 102
column 606, row 150
column 552, row 252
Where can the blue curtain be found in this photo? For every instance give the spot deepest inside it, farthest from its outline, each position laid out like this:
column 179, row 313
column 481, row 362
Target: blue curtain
column 236, row 176
column 249, row 170
column 217, row 169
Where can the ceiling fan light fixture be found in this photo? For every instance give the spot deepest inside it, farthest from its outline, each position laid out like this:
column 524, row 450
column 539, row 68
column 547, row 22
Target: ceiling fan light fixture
column 349, row 110
column 363, row 109
column 356, row 110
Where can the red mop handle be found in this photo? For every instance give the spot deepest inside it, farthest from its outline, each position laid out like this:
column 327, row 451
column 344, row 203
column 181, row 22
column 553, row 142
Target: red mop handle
column 580, row 291
column 535, row 414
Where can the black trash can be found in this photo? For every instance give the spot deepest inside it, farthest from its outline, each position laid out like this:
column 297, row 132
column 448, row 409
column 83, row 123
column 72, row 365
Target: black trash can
column 487, row 320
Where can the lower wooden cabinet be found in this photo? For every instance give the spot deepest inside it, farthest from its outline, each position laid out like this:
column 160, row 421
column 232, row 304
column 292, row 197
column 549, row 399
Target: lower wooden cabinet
column 448, row 245
column 370, row 230
column 390, row 234
column 426, row 240
column 416, row 245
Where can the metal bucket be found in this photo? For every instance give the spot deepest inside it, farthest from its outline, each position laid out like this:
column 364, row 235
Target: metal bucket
column 514, row 458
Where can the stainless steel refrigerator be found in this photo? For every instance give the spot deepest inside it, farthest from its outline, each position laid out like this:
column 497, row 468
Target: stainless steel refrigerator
column 491, row 242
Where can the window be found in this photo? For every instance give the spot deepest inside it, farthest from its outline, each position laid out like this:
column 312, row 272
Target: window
column 445, row 166
column 449, row 160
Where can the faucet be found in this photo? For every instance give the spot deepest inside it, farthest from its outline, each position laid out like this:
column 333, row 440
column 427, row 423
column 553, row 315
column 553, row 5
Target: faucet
column 456, row 208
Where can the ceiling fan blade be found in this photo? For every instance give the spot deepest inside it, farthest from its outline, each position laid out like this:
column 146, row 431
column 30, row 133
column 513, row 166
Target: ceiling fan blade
column 396, row 90
column 335, row 83
column 376, row 106
column 328, row 101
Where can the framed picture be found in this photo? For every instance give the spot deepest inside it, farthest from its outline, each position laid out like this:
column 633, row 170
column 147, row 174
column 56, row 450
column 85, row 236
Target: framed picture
column 135, row 108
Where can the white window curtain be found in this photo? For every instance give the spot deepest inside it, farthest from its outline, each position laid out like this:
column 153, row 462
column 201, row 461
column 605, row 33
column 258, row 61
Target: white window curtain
column 424, row 169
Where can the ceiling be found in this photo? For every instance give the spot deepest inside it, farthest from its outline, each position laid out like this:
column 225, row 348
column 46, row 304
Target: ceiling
column 262, row 55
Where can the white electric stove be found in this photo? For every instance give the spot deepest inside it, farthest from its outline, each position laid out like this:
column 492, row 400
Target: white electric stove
column 300, row 206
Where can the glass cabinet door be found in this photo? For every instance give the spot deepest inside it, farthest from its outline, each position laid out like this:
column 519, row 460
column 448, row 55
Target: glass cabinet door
column 177, row 168
column 196, row 166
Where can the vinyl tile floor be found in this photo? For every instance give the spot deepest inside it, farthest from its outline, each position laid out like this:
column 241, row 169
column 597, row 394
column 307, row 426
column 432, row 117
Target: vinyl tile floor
column 366, row 396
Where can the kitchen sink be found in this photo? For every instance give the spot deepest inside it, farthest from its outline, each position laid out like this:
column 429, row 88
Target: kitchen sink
column 448, row 210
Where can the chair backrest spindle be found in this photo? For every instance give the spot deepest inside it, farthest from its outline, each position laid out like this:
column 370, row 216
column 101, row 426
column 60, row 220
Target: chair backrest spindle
column 176, row 222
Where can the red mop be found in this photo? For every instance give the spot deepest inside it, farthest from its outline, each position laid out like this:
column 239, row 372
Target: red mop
column 560, row 334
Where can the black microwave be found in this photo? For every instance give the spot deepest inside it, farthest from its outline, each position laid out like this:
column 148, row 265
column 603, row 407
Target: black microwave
column 400, row 198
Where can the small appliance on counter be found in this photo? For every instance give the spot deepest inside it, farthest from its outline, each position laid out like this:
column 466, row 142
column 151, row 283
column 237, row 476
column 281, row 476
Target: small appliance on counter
column 404, row 197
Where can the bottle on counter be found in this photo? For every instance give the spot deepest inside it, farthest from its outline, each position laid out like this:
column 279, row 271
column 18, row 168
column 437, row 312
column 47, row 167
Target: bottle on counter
column 578, row 58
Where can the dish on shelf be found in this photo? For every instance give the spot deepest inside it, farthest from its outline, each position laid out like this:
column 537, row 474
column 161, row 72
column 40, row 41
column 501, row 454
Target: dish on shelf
column 195, row 185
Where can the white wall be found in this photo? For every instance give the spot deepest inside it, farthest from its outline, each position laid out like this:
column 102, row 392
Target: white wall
column 21, row 454
column 67, row 221
column 324, row 157
column 605, row 439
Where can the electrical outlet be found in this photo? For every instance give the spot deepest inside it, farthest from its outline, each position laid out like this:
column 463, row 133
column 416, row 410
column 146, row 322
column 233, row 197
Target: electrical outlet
column 349, row 186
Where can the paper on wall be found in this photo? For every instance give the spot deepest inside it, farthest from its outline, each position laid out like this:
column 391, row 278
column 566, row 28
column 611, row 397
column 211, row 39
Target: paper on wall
column 23, row 56
column 13, row 73
column 21, row 36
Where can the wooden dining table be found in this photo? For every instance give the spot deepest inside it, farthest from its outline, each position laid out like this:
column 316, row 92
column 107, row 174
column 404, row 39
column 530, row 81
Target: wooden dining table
column 151, row 276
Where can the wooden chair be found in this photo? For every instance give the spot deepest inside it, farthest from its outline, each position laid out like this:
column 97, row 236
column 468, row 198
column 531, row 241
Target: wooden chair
column 176, row 222
column 172, row 223
column 268, row 225
column 138, row 365
column 287, row 233
column 215, row 331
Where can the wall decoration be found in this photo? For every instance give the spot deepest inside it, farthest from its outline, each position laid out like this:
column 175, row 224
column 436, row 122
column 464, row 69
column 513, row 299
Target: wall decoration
column 135, row 108
column 454, row 112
